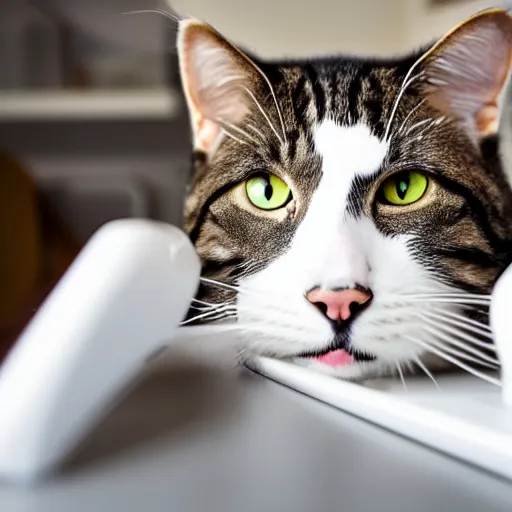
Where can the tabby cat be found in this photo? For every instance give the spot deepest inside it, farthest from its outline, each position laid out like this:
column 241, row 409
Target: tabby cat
column 351, row 214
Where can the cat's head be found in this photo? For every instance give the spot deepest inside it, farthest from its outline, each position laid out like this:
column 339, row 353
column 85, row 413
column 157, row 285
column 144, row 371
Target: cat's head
column 355, row 209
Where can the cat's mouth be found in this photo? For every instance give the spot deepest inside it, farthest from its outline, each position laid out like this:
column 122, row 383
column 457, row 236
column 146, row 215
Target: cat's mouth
column 337, row 357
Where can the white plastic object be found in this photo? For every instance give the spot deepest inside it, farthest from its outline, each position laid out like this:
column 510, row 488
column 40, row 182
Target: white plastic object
column 501, row 324
column 466, row 418
column 119, row 304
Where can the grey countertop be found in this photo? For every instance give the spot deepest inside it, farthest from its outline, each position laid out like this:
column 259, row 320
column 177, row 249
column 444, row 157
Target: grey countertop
column 197, row 435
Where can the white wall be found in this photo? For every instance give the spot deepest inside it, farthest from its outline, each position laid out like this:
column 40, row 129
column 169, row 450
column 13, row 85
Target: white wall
column 278, row 28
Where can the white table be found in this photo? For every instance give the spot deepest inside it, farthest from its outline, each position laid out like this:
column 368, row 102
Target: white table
column 203, row 435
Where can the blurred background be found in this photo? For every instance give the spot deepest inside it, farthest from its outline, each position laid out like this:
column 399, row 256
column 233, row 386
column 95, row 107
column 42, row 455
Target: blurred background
column 92, row 120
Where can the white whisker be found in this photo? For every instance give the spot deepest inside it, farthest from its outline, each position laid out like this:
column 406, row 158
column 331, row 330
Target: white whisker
column 463, row 336
column 222, row 316
column 204, row 303
column 166, row 14
column 399, row 368
column 264, row 114
column 457, row 301
column 448, row 295
column 422, row 102
column 232, row 126
column 464, row 319
column 279, row 114
column 254, row 292
column 427, row 372
column 255, row 130
column 208, row 314
column 203, row 330
column 463, row 353
column 447, row 319
column 417, row 125
column 407, row 82
column 231, row 136
column 200, row 308
column 218, row 284
column 209, row 307
column 455, row 361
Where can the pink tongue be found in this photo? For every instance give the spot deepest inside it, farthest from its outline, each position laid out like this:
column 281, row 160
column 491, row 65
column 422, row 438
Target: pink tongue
column 336, row 358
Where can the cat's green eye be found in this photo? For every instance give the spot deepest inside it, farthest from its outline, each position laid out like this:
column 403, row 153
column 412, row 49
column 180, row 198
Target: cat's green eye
column 267, row 192
column 404, row 188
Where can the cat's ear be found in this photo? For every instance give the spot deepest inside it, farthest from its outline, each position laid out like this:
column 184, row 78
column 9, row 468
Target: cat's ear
column 467, row 70
column 218, row 80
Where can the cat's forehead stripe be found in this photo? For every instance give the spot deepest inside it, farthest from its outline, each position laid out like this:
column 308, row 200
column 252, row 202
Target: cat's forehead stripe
column 349, row 155
column 346, row 152
column 349, row 150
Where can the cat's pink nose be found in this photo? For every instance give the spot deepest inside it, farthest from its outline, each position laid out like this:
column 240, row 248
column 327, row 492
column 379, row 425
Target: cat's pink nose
column 340, row 304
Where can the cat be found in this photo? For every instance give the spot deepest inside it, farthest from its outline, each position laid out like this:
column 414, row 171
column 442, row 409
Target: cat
column 351, row 214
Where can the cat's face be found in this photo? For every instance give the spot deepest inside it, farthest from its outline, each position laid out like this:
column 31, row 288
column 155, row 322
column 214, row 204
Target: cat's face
column 357, row 207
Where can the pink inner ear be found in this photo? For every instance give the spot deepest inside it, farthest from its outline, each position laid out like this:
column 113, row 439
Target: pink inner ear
column 467, row 72
column 487, row 120
column 219, row 82
column 207, row 134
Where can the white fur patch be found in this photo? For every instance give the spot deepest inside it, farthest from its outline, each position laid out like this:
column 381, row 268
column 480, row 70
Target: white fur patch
column 333, row 259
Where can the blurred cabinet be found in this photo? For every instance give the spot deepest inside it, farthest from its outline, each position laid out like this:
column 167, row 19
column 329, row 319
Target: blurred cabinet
column 90, row 102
